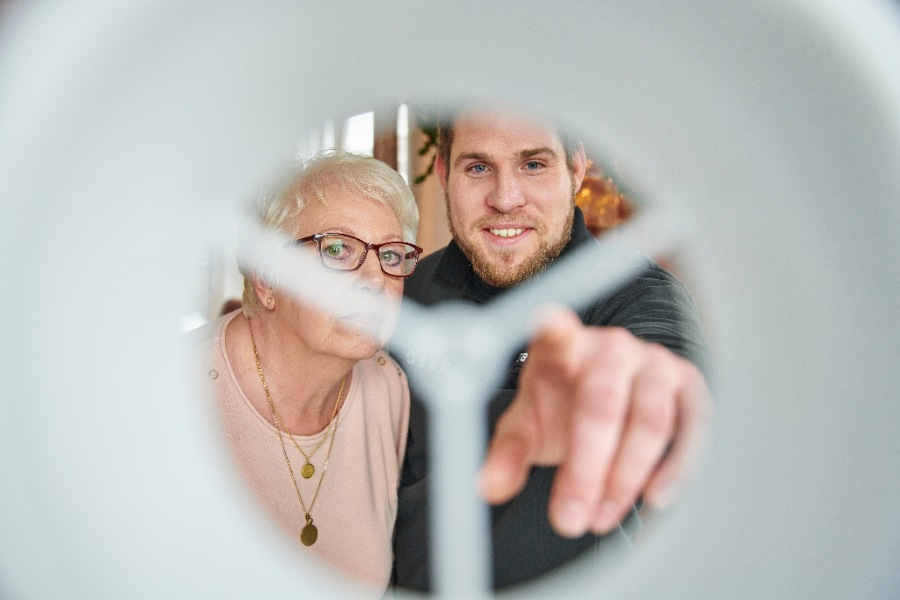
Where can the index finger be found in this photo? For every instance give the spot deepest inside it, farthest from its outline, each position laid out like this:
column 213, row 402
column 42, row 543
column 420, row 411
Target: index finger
column 599, row 409
column 554, row 329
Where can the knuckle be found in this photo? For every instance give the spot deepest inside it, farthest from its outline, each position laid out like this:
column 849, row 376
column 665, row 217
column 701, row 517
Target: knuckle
column 657, row 420
column 618, row 337
column 602, row 402
column 660, row 359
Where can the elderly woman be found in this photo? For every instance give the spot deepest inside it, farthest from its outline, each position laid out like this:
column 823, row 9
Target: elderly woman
column 314, row 411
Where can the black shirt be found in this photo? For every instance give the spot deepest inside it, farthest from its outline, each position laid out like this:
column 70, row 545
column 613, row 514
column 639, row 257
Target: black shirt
column 653, row 305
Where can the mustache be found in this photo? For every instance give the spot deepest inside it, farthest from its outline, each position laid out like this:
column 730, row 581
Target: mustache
column 519, row 218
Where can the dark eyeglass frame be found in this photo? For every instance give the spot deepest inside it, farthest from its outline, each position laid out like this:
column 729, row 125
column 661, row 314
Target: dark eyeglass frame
column 318, row 237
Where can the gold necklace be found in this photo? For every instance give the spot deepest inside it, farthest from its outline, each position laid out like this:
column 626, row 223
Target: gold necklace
column 307, row 470
column 309, row 534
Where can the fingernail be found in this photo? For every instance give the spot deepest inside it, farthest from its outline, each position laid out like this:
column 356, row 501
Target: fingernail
column 572, row 518
column 492, row 478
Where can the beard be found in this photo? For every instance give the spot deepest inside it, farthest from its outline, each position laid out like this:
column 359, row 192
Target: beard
column 493, row 267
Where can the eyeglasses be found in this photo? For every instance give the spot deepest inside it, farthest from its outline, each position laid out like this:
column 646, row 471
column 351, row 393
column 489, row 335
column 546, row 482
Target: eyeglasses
column 346, row 253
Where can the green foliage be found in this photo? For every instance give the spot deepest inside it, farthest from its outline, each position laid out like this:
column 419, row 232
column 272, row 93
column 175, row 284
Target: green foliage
column 427, row 124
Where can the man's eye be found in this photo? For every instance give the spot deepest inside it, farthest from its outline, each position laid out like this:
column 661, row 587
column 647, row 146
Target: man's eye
column 478, row 169
column 533, row 165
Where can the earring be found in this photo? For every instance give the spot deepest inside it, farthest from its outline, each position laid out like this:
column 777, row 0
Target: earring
column 268, row 300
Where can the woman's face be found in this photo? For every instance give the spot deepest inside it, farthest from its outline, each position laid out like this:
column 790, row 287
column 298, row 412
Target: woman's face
column 364, row 303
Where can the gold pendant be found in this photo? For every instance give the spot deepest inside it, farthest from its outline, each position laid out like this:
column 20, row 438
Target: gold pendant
column 308, row 470
column 309, row 534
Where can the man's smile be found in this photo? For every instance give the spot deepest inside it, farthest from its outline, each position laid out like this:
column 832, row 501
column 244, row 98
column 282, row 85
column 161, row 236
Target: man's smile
column 506, row 232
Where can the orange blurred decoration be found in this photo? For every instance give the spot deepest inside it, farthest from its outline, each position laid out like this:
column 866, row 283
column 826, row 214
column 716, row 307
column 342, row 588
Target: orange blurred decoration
column 604, row 207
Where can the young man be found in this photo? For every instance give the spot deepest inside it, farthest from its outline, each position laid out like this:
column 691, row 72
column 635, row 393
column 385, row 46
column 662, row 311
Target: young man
column 610, row 397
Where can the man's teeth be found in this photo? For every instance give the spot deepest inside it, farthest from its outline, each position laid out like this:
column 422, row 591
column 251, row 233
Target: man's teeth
column 506, row 232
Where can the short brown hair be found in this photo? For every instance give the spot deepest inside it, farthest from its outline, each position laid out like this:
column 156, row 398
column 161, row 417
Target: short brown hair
column 444, row 139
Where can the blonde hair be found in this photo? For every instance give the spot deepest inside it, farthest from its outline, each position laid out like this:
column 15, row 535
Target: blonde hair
column 334, row 169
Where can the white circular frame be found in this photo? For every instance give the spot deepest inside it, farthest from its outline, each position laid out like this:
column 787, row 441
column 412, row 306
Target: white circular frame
column 768, row 131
